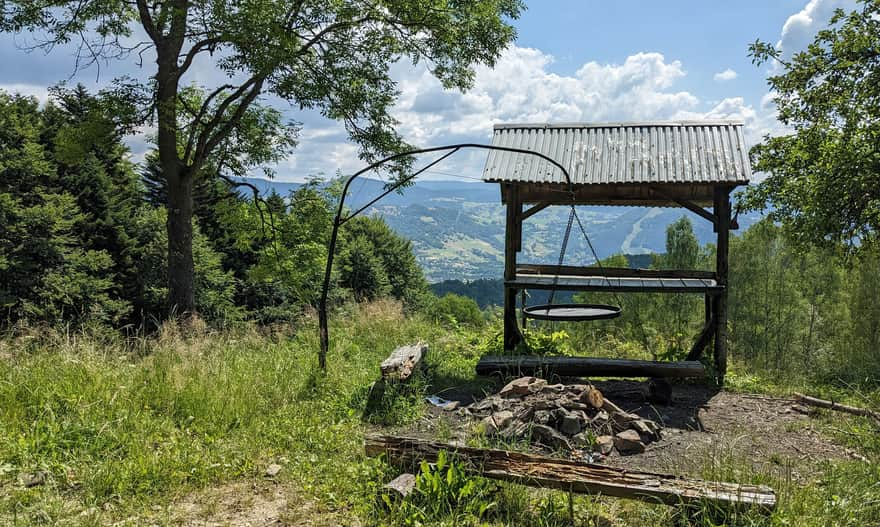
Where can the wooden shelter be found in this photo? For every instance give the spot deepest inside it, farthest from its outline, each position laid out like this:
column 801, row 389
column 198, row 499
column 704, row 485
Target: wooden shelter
column 689, row 164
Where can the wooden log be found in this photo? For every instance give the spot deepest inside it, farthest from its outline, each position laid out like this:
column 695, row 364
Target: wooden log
column 574, row 476
column 586, row 366
column 403, row 361
column 831, row 405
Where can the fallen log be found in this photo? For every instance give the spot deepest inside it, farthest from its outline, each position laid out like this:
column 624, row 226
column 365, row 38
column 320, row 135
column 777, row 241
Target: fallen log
column 831, row 405
column 574, row 476
column 587, row 366
column 403, row 361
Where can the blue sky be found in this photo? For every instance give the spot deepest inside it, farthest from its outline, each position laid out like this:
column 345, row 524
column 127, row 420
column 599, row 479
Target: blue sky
column 586, row 60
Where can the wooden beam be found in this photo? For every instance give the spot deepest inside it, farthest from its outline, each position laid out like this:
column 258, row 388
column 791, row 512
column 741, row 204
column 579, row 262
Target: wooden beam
column 608, row 284
column 612, row 272
column 531, row 211
column 586, row 367
column 574, row 476
column 693, row 207
column 702, row 340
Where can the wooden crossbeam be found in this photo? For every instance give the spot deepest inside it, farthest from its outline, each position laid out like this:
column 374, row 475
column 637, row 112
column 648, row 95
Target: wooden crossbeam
column 574, row 476
column 587, row 366
column 531, row 211
column 612, row 272
column 693, row 207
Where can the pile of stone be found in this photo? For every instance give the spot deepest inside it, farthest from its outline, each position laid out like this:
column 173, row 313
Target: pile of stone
column 575, row 418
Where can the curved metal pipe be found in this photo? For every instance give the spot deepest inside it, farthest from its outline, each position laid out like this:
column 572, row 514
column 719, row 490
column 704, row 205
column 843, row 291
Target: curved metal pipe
column 338, row 220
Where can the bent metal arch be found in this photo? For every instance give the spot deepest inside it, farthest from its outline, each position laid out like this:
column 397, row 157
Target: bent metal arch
column 339, row 220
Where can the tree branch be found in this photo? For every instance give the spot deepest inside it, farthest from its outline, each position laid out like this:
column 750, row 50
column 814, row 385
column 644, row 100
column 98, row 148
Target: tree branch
column 197, row 48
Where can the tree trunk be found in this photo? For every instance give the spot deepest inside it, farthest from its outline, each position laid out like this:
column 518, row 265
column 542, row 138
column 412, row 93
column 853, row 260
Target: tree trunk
column 181, row 270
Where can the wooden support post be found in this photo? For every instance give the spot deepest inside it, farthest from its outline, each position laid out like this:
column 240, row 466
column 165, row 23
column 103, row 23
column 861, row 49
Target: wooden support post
column 575, row 476
column 512, row 242
column 722, row 213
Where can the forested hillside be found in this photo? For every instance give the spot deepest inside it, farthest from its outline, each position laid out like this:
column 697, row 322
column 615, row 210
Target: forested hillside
column 84, row 231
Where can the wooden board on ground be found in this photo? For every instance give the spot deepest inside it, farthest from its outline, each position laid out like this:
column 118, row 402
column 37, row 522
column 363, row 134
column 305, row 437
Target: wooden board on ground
column 587, row 366
column 403, row 361
column 574, row 476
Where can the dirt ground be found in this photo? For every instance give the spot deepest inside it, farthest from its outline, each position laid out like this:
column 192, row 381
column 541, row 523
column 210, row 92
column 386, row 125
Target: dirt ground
column 700, row 421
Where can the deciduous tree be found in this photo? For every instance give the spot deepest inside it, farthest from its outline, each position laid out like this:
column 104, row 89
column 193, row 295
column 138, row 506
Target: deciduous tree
column 332, row 56
column 823, row 179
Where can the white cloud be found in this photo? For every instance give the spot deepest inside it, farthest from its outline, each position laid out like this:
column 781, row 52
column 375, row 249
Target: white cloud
column 726, row 75
column 521, row 88
column 41, row 93
column 800, row 28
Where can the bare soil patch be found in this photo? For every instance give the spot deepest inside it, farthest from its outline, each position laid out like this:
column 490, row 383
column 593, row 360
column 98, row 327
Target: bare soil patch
column 248, row 504
column 700, row 423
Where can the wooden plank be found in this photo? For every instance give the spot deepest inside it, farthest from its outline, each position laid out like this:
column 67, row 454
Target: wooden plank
column 612, row 272
column 608, row 284
column 586, row 366
column 574, row 476
column 403, row 361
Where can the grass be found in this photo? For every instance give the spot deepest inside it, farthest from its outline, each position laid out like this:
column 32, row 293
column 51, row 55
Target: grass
column 125, row 429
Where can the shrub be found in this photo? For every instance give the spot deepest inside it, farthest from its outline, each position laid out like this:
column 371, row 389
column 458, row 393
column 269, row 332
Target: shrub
column 456, row 310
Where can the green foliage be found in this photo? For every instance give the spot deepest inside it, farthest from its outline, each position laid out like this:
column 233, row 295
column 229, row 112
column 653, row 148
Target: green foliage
column 59, row 254
column 443, row 491
column 375, row 261
column 330, row 57
column 454, row 310
column 215, row 287
column 537, row 342
column 823, row 179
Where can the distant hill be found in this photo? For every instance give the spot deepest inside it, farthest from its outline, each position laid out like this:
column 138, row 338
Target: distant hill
column 457, row 228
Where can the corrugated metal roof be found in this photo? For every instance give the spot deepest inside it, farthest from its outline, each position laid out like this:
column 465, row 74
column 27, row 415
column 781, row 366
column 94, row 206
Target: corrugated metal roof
column 620, row 153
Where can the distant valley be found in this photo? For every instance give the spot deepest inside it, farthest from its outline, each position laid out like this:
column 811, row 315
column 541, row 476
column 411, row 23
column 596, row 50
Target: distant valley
column 457, row 228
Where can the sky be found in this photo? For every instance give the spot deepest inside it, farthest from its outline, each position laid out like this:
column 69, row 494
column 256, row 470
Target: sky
column 573, row 60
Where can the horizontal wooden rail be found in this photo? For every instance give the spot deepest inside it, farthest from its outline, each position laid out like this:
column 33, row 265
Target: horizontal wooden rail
column 587, row 366
column 574, row 476
column 612, row 272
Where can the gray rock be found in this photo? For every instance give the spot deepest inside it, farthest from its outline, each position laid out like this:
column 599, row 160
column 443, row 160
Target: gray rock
column 550, row 437
column 502, row 418
column 492, row 424
column 273, row 470
column 604, row 444
column 522, row 386
column 571, row 424
column 542, row 417
column 629, row 442
column 33, row 479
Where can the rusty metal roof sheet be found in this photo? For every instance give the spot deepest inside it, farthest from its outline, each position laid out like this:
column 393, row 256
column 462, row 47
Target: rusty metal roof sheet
column 622, row 153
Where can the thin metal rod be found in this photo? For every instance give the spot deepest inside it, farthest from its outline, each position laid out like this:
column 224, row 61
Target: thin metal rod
column 391, row 189
column 338, row 220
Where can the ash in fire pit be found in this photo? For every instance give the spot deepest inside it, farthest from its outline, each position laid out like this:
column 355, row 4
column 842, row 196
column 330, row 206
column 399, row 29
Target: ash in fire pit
column 574, row 418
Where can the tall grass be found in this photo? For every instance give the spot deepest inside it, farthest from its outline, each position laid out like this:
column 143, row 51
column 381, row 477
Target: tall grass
column 120, row 425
